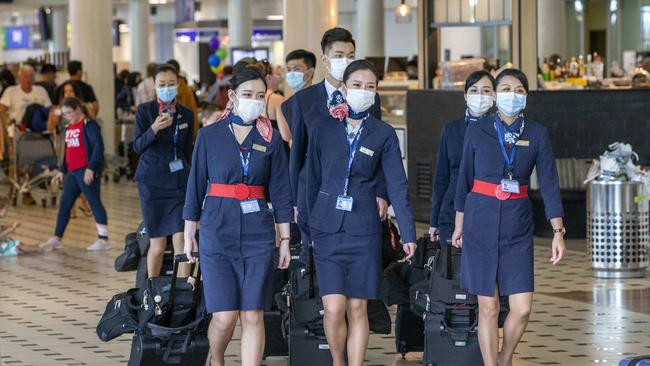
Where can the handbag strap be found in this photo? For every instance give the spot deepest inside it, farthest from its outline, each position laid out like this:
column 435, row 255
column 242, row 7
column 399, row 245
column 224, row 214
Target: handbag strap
column 178, row 259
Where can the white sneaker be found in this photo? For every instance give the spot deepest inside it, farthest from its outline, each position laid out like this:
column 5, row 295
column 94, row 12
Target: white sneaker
column 99, row 245
column 51, row 244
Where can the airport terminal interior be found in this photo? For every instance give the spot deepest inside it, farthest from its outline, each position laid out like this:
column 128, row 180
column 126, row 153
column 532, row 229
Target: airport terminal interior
column 588, row 68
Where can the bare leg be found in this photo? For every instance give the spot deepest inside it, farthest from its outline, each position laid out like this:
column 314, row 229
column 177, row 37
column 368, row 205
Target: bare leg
column 220, row 332
column 252, row 337
column 488, row 328
column 155, row 256
column 178, row 241
column 515, row 325
column 335, row 327
column 358, row 331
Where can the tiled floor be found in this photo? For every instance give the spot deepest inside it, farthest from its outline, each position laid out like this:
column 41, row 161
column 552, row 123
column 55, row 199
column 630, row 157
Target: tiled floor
column 50, row 303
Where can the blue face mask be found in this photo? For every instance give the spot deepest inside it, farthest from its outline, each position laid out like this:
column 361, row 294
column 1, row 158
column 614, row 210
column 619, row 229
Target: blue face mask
column 510, row 103
column 295, row 79
column 167, row 94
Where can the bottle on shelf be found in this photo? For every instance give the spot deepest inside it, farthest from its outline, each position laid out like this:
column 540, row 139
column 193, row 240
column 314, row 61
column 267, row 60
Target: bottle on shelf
column 581, row 66
column 573, row 68
column 599, row 67
column 546, row 71
column 559, row 74
column 589, row 67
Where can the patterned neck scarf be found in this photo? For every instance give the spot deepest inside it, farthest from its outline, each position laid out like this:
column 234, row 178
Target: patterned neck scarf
column 166, row 107
column 352, row 131
column 512, row 132
column 338, row 108
column 471, row 119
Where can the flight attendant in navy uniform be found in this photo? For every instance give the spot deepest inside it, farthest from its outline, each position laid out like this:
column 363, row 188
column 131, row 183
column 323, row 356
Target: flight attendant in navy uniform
column 347, row 153
column 235, row 161
column 163, row 139
column 309, row 106
column 494, row 222
column 479, row 95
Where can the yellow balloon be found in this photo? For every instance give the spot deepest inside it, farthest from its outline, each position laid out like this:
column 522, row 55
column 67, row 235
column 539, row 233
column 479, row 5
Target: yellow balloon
column 215, row 69
column 220, row 67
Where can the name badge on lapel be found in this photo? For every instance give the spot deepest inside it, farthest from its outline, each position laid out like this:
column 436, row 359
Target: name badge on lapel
column 250, row 206
column 176, row 166
column 522, row 143
column 259, row 147
column 344, row 203
column 367, row 151
column 182, row 126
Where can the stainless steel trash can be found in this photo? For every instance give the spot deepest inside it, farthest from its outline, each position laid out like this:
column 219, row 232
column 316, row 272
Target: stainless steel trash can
column 617, row 229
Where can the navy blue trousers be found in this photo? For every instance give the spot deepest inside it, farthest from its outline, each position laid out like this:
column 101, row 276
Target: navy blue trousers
column 73, row 187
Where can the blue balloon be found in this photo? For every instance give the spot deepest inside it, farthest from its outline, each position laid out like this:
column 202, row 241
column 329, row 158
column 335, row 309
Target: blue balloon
column 214, row 60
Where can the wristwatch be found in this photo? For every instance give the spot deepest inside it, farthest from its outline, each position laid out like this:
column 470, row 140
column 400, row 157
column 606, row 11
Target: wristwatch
column 558, row 231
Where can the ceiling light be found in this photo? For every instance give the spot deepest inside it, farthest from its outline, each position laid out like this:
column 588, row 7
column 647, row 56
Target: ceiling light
column 403, row 13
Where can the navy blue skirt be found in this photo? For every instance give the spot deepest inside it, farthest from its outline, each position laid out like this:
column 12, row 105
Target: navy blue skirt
column 162, row 210
column 347, row 264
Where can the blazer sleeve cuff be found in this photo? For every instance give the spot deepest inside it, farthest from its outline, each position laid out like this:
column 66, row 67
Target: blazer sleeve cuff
column 283, row 216
column 191, row 214
column 554, row 214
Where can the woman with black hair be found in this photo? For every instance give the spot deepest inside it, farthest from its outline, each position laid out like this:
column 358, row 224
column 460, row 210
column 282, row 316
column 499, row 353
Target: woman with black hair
column 347, row 153
column 235, row 161
column 494, row 217
column 163, row 140
column 479, row 96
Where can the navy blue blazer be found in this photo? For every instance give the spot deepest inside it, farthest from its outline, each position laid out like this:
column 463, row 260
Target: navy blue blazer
column 450, row 152
column 378, row 154
column 156, row 151
column 302, row 111
column 483, row 160
column 94, row 146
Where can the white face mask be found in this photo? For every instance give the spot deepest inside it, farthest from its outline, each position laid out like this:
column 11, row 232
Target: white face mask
column 337, row 67
column 511, row 103
column 360, row 100
column 249, row 109
column 479, row 104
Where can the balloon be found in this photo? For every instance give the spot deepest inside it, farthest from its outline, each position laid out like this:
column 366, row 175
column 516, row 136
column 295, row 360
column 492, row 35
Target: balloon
column 214, row 69
column 222, row 53
column 214, row 60
column 214, row 44
column 220, row 67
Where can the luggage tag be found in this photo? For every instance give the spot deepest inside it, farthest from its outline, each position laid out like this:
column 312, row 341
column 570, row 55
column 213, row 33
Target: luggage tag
column 510, row 186
column 250, row 206
column 344, row 203
column 176, row 165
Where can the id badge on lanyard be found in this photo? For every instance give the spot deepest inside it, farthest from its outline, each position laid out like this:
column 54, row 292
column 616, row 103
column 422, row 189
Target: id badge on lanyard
column 250, row 205
column 175, row 165
column 508, row 185
column 345, row 202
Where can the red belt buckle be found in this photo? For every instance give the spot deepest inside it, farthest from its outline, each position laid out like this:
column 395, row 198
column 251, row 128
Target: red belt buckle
column 242, row 192
column 500, row 194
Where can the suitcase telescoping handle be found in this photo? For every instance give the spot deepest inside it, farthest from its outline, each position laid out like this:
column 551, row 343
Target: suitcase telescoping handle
column 448, row 254
column 311, row 270
column 178, row 259
column 422, row 255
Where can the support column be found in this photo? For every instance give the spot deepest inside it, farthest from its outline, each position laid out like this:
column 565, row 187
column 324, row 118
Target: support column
column 552, row 28
column 59, row 29
column 212, row 10
column 305, row 21
column 524, row 38
column 240, row 23
column 92, row 44
column 370, row 28
column 139, row 33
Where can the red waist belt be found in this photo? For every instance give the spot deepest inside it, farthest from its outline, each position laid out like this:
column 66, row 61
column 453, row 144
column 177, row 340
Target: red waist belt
column 240, row 191
column 494, row 190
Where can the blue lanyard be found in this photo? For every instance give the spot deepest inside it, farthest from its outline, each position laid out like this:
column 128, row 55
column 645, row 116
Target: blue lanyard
column 510, row 160
column 245, row 161
column 175, row 139
column 352, row 150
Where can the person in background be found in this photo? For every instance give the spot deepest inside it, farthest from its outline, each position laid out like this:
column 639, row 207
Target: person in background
column 237, row 234
column 494, row 220
column 412, row 69
column 479, row 97
column 126, row 98
column 347, row 154
column 274, row 102
column 16, row 98
column 163, row 140
column 48, row 80
column 209, row 114
column 146, row 91
column 186, row 97
column 218, row 92
column 301, row 65
column 87, row 95
column 7, row 79
column 80, row 172
column 307, row 107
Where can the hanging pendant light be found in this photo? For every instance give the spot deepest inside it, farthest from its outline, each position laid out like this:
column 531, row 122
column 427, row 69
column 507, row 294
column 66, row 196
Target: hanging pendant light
column 403, row 13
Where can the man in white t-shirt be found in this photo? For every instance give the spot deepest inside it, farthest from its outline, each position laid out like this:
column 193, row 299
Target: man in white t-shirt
column 16, row 98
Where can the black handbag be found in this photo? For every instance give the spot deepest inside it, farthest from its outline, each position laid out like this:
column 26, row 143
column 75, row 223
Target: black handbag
column 379, row 320
column 128, row 261
column 119, row 317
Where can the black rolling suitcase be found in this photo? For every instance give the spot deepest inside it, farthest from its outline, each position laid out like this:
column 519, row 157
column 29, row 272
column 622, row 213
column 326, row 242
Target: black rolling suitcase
column 409, row 331
column 168, row 258
column 451, row 337
column 173, row 322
